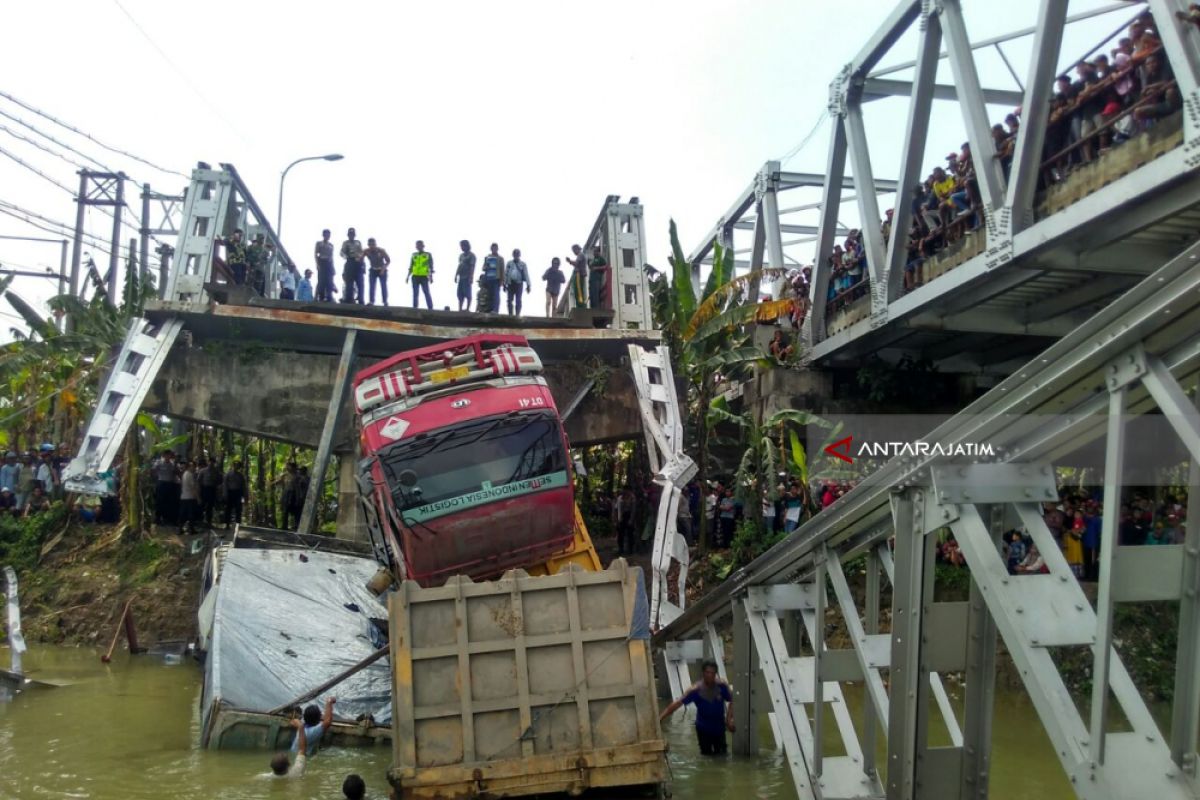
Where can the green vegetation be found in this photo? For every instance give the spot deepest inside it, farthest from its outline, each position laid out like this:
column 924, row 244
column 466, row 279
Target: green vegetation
column 21, row 539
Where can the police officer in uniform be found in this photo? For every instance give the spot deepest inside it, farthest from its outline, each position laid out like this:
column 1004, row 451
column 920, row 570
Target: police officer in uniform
column 420, row 272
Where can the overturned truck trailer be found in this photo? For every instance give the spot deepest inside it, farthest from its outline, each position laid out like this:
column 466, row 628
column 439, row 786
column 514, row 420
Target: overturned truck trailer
column 276, row 622
column 524, row 685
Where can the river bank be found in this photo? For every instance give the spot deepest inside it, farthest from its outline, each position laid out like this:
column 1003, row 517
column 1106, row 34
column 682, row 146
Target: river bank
column 75, row 580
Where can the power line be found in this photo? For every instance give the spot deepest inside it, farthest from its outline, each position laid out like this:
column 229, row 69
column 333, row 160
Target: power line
column 110, row 213
column 807, row 138
column 191, row 85
column 47, row 136
column 91, row 240
column 88, row 136
column 38, row 172
column 40, row 146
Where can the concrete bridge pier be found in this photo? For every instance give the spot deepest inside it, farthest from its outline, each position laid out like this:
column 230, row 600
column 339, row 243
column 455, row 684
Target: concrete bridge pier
column 350, row 521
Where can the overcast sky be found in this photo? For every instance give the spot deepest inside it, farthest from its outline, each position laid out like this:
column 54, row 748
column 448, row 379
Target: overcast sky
column 506, row 122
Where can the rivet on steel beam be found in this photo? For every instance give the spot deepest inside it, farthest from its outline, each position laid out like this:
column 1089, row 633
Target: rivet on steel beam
column 1020, row 609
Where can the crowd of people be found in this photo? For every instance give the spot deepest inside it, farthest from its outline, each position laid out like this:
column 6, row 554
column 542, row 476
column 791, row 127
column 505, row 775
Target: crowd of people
column 1111, row 98
column 1075, row 522
column 31, row 482
column 190, row 493
column 633, row 509
column 589, row 282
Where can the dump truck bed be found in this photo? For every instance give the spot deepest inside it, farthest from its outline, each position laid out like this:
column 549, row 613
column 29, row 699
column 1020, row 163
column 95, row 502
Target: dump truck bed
column 524, row 685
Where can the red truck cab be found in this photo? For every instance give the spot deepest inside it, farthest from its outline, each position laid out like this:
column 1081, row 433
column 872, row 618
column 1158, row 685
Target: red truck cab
column 468, row 461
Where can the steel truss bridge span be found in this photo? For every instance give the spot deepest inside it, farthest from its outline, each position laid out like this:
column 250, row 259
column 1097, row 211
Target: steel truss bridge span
column 1139, row 355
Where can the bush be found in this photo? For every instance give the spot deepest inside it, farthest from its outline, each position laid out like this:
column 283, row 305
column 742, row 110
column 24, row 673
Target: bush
column 750, row 541
column 21, row 539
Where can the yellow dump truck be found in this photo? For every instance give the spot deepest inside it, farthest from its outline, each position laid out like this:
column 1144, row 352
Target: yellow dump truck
column 519, row 666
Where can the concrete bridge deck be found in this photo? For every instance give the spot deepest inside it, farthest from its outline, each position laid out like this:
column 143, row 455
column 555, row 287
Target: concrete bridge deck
column 267, row 368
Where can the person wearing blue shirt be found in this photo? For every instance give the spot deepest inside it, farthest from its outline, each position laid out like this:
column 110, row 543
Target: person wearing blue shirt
column 304, row 289
column 315, row 725
column 714, row 710
column 9, row 472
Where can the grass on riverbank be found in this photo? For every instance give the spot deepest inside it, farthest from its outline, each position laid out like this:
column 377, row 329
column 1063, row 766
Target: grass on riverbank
column 75, row 579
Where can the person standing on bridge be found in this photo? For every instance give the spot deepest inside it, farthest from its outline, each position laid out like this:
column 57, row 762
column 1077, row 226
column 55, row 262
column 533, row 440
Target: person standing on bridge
column 289, row 279
column 516, row 274
column 235, row 256
column 304, row 287
column 258, row 258
column 554, row 279
column 379, row 261
column 578, row 286
column 323, row 253
column 493, row 263
column 464, row 275
column 352, row 271
column 598, row 272
column 420, row 271
column 714, row 710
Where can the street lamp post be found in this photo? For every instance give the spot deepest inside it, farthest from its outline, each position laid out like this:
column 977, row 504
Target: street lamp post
column 279, row 218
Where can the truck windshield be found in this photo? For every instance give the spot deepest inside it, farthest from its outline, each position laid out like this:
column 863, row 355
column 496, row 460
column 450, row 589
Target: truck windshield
column 475, row 457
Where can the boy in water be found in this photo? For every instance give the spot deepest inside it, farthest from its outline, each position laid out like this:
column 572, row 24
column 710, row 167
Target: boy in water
column 280, row 767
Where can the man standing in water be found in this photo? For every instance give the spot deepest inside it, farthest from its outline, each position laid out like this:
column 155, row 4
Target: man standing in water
column 714, row 710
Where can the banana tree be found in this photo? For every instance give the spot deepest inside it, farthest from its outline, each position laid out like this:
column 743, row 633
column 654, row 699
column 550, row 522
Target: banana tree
column 710, row 335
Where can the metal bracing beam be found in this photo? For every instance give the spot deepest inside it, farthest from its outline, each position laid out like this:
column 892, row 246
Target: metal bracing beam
column 1181, row 41
column 1027, row 158
column 774, row 234
column 745, row 657
column 868, row 203
column 996, row 284
column 911, row 168
column 988, row 171
column 337, row 400
column 876, row 692
column 885, row 36
column 871, row 618
column 1076, row 297
column 905, row 674
column 1185, row 708
column 795, row 180
column 803, row 230
column 1010, row 36
column 758, row 249
column 835, row 170
column 978, row 697
column 1114, row 469
column 994, row 322
column 1174, row 402
column 879, row 88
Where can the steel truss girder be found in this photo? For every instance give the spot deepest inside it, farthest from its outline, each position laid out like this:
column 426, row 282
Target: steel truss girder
column 1061, row 382
column 796, row 690
column 1036, row 612
column 879, row 88
column 663, row 427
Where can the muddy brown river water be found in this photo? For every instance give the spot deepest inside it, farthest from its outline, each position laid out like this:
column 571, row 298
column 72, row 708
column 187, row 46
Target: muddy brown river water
column 129, row 730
